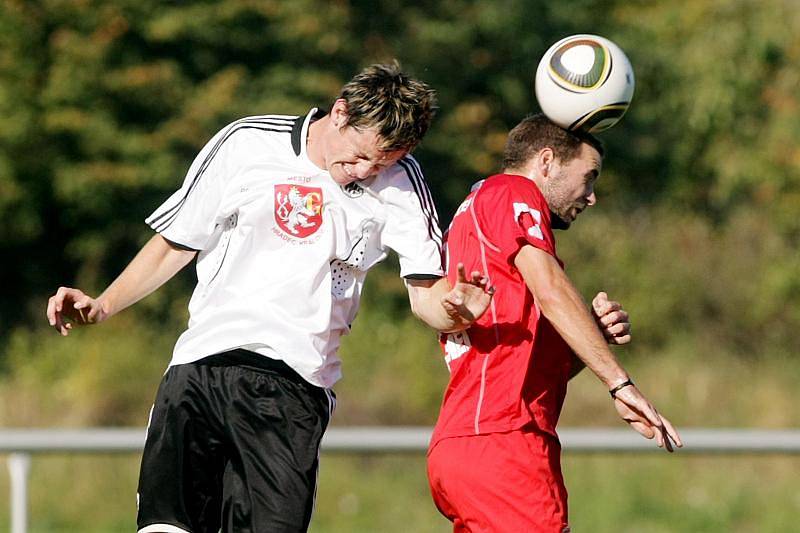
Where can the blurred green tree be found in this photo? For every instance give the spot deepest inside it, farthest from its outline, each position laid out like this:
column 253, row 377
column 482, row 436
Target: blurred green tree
column 104, row 104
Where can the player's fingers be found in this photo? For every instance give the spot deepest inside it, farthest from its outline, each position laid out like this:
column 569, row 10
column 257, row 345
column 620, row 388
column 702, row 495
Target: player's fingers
column 617, row 316
column 58, row 299
column 51, row 311
column 462, row 273
column 634, row 399
column 659, row 437
column 667, row 442
column 620, row 328
column 59, row 324
column 449, row 308
column 81, row 302
column 653, row 417
column 84, row 307
column 94, row 311
column 621, row 339
column 598, row 303
column 609, row 319
column 64, row 327
column 672, row 432
column 67, row 295
column 600, row 298
column 645, row 430
column 601, row 305
column 454, row 298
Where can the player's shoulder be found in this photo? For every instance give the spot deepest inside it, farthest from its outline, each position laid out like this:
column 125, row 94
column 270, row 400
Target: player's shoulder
column 510, row 186
column 256, row 125
column 506, row 181
column 406, row 169
column 405, row 175
column 254, row 136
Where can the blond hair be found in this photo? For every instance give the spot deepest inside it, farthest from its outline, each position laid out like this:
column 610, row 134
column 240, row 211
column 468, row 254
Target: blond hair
column 398, row 107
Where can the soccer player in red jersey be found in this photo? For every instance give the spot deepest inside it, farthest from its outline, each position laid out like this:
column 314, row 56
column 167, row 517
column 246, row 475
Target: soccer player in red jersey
column 494, row 459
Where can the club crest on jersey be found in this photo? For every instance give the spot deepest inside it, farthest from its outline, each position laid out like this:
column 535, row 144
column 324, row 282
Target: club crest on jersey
column 298, row 209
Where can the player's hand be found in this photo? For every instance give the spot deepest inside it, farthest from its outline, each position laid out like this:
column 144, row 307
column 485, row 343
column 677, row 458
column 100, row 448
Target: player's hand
column 469, row 298
column 69, row 307
column 637, row 411
column 612, row 319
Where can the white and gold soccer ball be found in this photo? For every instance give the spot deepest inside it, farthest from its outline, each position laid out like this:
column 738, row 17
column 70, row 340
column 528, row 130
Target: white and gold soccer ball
column 584, row 82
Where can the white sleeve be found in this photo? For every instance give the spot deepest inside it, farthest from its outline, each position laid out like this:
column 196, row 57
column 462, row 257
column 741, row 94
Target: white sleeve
column 190, row 216
column 412, row 225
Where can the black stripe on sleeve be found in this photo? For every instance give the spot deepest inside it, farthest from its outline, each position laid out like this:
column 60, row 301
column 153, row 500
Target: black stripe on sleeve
column 180, row 246
column 423, row 277
column 424, row 197
column 165, row 219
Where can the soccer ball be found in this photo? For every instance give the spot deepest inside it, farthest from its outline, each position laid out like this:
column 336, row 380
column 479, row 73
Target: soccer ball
column 584, row 82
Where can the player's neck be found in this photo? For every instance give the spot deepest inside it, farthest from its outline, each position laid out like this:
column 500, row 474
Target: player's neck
column 314, row 140
column 525, row 172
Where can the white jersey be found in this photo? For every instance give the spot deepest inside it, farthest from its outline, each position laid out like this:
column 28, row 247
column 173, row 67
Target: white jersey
column 283, row 249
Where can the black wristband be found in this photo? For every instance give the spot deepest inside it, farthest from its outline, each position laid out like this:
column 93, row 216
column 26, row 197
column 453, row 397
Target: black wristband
column 613, row 392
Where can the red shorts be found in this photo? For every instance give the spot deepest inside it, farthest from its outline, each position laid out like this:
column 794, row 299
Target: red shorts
column 500, row 482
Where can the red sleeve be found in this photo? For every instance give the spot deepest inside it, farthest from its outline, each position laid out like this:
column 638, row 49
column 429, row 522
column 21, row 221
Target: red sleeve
column 512, row 214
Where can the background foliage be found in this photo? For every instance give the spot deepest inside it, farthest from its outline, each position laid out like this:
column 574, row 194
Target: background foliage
column 104, row 104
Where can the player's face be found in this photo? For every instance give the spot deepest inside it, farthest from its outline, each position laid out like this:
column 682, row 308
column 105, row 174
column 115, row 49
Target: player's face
column 354, row 155
column 570, row 188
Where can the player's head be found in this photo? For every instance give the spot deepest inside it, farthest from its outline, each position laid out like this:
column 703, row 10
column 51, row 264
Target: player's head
column 380, row 115
column 397, row 107
column 564, row 164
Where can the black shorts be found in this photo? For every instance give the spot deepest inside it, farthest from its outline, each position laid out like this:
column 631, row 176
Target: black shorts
column 232, row 444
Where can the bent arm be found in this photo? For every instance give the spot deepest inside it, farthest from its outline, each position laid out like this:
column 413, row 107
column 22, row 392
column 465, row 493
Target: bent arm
column 577, row 366
column 447, row 309
column 563, row 306
column 425, row 296
column 157, row 261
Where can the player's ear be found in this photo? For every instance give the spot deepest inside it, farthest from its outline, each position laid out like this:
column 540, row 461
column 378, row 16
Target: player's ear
column 544, row 161
column 339, row 113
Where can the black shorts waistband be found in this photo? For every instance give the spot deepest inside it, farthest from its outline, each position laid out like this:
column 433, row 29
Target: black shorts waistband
column 245, row 358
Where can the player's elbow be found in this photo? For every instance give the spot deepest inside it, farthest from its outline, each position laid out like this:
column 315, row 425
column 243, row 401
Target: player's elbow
column 417, row 309
column 548, row 293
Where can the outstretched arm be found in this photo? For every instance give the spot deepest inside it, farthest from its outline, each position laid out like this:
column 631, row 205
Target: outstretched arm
column 157, row 261
column 563, row 306
column 448, row 309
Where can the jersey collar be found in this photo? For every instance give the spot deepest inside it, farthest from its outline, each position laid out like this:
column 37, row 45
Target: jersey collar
column 300, row 129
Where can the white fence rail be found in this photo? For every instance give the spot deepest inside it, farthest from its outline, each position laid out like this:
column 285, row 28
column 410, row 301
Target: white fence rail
column 21, row 443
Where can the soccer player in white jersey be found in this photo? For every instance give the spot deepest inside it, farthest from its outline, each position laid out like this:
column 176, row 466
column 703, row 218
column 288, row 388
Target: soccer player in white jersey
column 285, row 215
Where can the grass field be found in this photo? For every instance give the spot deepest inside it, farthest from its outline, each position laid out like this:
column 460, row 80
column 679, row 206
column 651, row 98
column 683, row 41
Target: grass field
column 76, row 384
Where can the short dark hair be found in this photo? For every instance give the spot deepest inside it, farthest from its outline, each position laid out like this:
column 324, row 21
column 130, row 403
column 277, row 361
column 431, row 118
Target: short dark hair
column 399, row 107
column 536, row 132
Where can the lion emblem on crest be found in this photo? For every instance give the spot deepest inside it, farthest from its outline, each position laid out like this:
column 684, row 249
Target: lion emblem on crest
column 298, row 209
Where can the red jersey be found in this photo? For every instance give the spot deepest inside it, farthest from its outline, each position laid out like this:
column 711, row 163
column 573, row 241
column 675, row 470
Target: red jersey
column 510, row 368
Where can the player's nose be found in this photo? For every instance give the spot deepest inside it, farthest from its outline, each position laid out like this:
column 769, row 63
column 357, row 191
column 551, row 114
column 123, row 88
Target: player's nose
column 591, row 199
column 364, row 170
